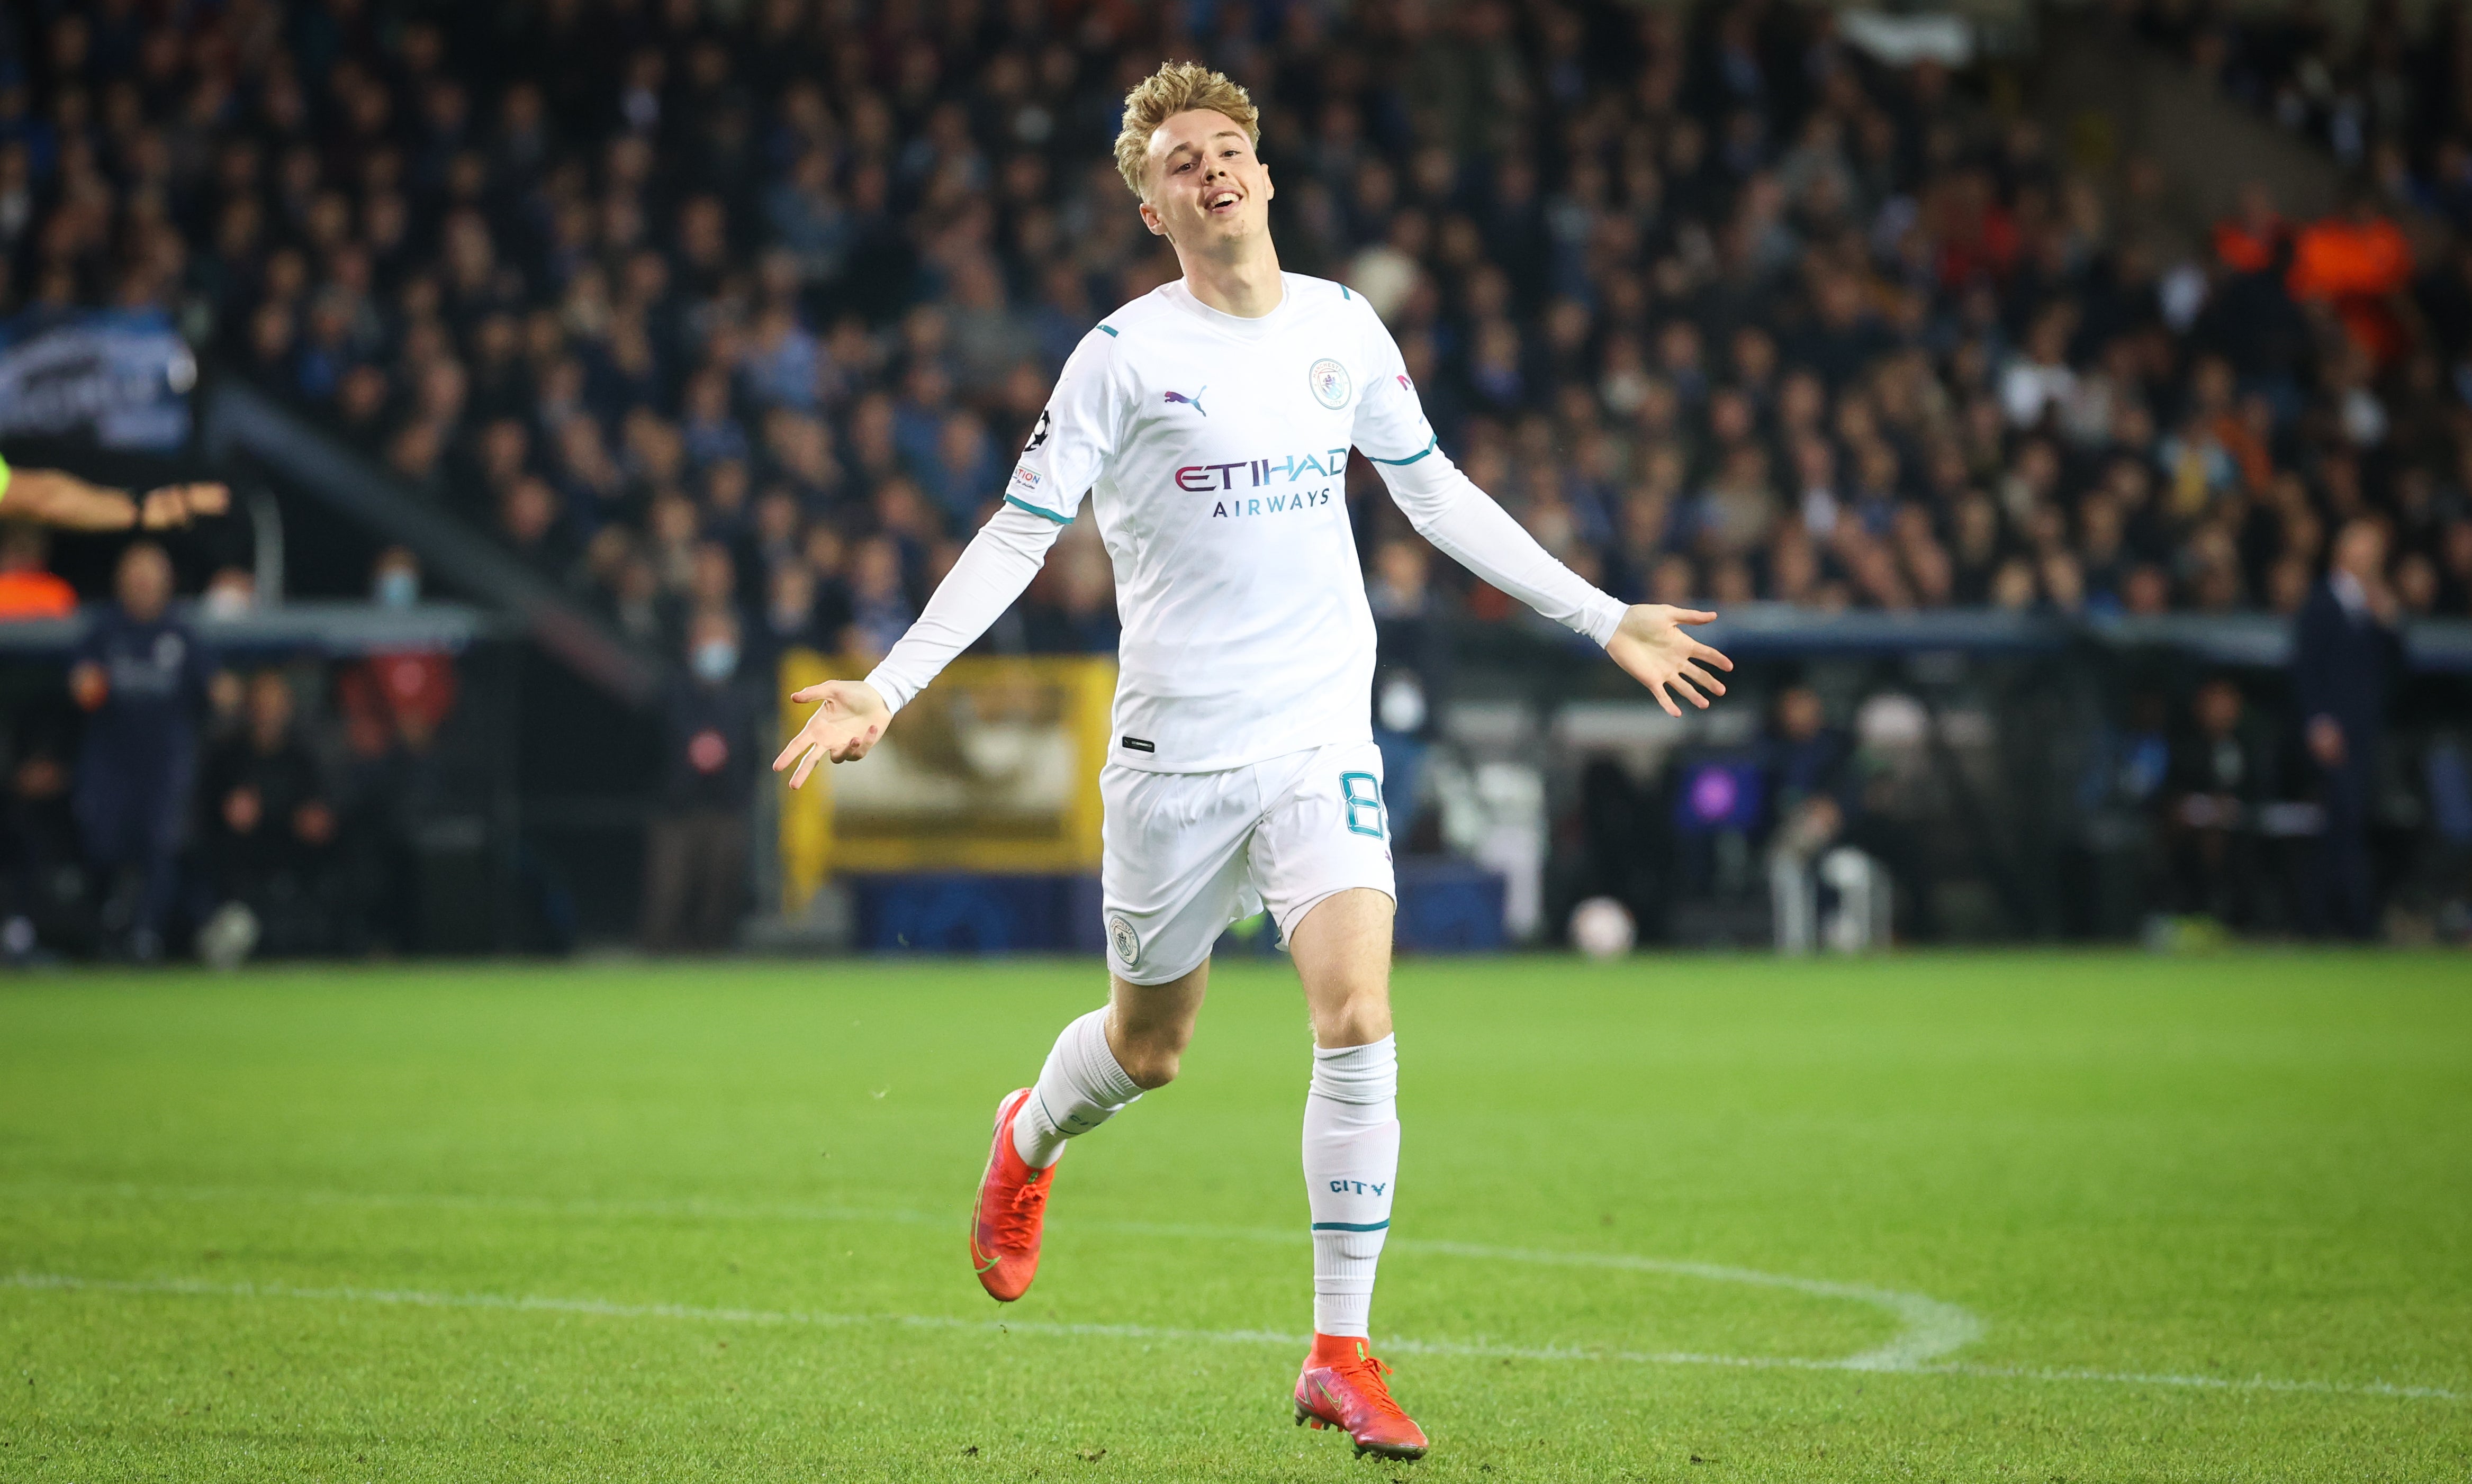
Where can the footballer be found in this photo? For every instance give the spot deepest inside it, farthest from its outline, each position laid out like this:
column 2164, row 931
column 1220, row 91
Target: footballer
column 1210, row 423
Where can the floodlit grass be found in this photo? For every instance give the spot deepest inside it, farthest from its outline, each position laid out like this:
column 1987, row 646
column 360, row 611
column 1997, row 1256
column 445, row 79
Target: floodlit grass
column 2088, row 1216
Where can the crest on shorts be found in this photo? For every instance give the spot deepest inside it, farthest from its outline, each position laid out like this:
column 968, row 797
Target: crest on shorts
column 1126, row 943
column 1330, row 383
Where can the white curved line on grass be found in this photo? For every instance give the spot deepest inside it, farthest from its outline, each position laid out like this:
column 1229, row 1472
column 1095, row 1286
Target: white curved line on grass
column 1929, row 1329
column 767, row 1318
column 1932, row 1327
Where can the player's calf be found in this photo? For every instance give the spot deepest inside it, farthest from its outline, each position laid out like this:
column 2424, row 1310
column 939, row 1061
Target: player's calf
column 1082, row 1086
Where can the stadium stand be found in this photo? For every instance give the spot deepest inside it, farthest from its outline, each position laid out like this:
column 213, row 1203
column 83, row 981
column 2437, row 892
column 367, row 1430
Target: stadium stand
column 697, row 307
column 1723, row 307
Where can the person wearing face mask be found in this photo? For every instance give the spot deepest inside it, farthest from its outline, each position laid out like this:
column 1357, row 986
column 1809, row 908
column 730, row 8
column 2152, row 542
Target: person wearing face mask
column 394, row 584
column 393, row 703
column 396, row 695
column 695, row 851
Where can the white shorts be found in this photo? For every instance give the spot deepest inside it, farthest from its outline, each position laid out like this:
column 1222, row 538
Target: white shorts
column 1187, row 854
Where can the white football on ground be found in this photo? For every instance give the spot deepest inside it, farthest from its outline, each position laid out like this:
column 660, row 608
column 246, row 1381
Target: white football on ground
column 1601, row 927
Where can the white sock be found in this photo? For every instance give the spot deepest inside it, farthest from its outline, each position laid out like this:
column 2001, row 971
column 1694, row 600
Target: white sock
column 1351, row 1163
column 1081, row 1087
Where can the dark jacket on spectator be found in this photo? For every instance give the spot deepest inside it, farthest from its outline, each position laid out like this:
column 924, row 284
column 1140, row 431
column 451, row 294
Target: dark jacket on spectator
column 707, row 745
column 2342, row 666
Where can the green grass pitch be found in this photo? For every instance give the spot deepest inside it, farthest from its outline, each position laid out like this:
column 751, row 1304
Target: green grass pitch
column 1965, row 1217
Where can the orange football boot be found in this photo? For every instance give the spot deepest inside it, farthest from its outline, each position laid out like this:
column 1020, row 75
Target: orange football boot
column 1342, row 1387
column 1011, row 1207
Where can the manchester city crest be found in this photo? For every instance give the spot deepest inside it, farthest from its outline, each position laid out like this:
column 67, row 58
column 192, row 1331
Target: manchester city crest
column 1126, row 943
column 1330, row 383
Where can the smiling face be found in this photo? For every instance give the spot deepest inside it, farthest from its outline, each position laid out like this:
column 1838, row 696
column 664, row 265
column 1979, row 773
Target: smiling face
column 1206, row 189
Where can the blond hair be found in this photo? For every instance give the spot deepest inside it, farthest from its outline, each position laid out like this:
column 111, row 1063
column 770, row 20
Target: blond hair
column 1177, row 87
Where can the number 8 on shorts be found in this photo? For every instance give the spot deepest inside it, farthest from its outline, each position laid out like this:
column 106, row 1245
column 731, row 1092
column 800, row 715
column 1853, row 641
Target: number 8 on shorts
column 1363, row 794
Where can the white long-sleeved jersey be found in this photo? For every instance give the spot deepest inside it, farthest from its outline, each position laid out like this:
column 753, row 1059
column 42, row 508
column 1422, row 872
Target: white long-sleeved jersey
column 1214, row 449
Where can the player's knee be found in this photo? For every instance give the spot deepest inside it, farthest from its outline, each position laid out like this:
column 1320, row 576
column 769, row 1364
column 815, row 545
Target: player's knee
column 1151, row 1064
column 1356, row 1016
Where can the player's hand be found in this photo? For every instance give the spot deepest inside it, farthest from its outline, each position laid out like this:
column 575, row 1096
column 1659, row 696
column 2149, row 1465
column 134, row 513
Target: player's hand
column 177, row 504
column 1651, row 645
column 843, row 729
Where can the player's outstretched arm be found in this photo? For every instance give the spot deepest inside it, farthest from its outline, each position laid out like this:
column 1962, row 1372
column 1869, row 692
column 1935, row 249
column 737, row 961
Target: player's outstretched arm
column 1466, row 524
column 178, row 505
column 842, row 730
column 53, row 497
column 1652, row 645
column 993, row 569
column 1647, row 640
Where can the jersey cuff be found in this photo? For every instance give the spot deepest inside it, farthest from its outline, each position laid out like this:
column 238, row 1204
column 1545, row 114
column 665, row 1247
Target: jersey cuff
column 1603, row 615
column 895, row 695
column 1060, row 519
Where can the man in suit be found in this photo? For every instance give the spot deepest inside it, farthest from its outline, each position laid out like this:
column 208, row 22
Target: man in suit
column 2344, row 654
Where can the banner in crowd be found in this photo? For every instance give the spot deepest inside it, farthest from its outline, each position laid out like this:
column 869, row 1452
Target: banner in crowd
column 121, row 377
column 994, row 768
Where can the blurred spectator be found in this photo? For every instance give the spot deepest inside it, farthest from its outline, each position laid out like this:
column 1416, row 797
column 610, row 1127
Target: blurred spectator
column 2220, row 773
column 267, row 832
column 230, row 593
column 2360, row 265
column 801, row 612
column 398, row 697
column 1809, row 765
column 1822, row 889
column 393, row 705
column 45, row 902
column 1411, row 675
column 2252, row 239
column 2344, row 654
column 533, row 526
column 141, row 675
column 879, row 606
column 28, row 587
column 695, row 853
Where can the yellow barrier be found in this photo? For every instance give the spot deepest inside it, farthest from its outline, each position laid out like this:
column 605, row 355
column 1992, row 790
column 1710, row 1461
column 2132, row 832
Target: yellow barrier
column 995, row 768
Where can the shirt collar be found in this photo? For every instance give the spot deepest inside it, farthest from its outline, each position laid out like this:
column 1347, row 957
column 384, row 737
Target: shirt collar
column 1239, row 325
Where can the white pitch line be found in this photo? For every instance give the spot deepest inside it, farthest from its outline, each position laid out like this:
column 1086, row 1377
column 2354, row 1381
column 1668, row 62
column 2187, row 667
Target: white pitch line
column 2201, row 1382
column 604, row 1309
column 1931, row 1327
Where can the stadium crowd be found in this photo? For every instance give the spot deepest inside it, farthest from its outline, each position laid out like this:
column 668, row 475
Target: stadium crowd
column 728, row 316
column 749, row 312
column 2387, row 96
